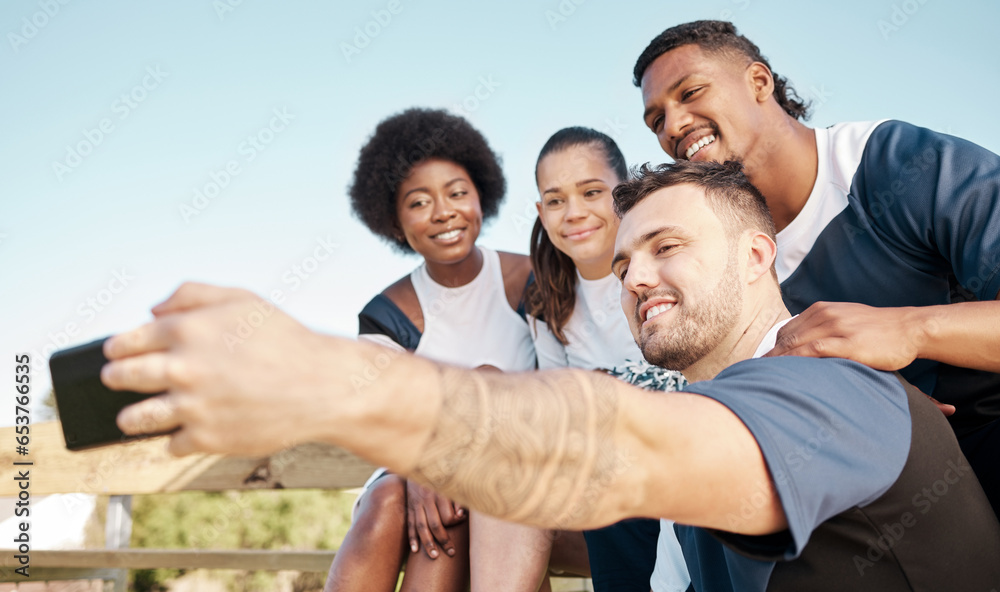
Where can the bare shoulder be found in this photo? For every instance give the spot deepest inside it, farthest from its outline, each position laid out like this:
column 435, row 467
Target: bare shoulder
column 402, row 294
column 515, row 268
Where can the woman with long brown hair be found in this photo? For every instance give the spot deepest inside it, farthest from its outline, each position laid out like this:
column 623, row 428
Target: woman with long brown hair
column 578, row 322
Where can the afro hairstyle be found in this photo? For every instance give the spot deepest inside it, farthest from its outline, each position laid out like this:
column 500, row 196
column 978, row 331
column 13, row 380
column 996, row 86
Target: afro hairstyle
column 406, row 139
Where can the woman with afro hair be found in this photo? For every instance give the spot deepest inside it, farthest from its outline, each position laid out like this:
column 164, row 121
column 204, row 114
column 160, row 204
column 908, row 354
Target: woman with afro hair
column 425, row 182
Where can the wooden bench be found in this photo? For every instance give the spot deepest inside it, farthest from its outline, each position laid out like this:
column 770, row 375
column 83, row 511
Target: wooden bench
column 143, row 467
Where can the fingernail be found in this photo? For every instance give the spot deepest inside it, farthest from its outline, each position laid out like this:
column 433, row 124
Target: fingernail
column 109, row 347
column 105, row 373
column 451, row 552
column 434, row 553
column 125, row 420
column 414, row 548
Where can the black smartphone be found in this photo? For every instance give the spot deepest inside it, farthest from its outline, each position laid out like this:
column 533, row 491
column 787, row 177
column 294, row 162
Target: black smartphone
column 87, row 408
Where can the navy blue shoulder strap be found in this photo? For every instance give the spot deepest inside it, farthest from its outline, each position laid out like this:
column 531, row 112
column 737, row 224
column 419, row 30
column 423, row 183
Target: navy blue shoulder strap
column 522, row 305
column 381, row 316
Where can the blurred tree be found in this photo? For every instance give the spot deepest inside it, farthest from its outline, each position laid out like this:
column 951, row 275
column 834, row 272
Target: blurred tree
column 266, row 519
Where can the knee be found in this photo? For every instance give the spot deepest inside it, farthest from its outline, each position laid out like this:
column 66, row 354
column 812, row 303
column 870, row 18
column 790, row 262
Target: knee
column 384, row 502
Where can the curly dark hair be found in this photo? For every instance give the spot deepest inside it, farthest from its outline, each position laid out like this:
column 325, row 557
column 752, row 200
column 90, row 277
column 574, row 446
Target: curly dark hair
column 719, row 37
column 406, row 139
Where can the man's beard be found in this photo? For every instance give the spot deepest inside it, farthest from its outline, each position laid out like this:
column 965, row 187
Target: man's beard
column 694, row 333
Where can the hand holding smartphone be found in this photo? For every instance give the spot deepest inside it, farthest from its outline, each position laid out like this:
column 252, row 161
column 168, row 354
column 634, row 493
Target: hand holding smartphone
column 87, row 408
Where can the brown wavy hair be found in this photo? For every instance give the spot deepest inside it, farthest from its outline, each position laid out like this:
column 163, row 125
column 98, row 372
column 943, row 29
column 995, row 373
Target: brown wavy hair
column 553, row 295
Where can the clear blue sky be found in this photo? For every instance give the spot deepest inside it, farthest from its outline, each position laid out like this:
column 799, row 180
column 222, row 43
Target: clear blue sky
column 200, row 77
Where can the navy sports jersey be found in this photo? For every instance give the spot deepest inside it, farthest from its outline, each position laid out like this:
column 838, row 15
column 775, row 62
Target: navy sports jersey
column 877, row 493
column 901, row 216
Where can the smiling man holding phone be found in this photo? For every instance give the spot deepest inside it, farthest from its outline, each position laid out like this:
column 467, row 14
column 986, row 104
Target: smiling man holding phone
column 574, row 449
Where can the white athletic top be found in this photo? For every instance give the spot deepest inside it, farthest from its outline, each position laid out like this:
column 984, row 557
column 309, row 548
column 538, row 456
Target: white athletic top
column 467, row 326
column 599, row 337
column 472, row 325
column 597, row 331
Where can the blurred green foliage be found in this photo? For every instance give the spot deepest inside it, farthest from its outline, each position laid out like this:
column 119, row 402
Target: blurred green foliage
column 267, row 519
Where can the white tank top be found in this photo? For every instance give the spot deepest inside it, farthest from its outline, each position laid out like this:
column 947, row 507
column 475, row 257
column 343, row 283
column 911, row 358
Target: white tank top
column 597, row 331
column 472, row 325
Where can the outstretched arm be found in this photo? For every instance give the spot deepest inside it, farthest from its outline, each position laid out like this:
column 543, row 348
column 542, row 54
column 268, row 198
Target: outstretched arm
column 574, row 449
column 567, row 449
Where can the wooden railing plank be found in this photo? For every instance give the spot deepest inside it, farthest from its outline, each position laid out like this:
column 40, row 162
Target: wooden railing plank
column 42, row 574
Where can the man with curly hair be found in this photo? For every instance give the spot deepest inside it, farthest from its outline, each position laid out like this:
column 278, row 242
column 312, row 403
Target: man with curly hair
column 888, row 234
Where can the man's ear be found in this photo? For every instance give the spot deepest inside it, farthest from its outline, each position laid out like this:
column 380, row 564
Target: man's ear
column 761, row 256
column 761, row 80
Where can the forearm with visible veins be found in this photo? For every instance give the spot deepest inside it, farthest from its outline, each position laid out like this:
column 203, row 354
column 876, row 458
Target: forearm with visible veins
column 964, row 334
column 538, row 449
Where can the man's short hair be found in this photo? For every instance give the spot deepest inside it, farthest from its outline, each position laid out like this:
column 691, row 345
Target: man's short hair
column 734, row 199
column 719, row 37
